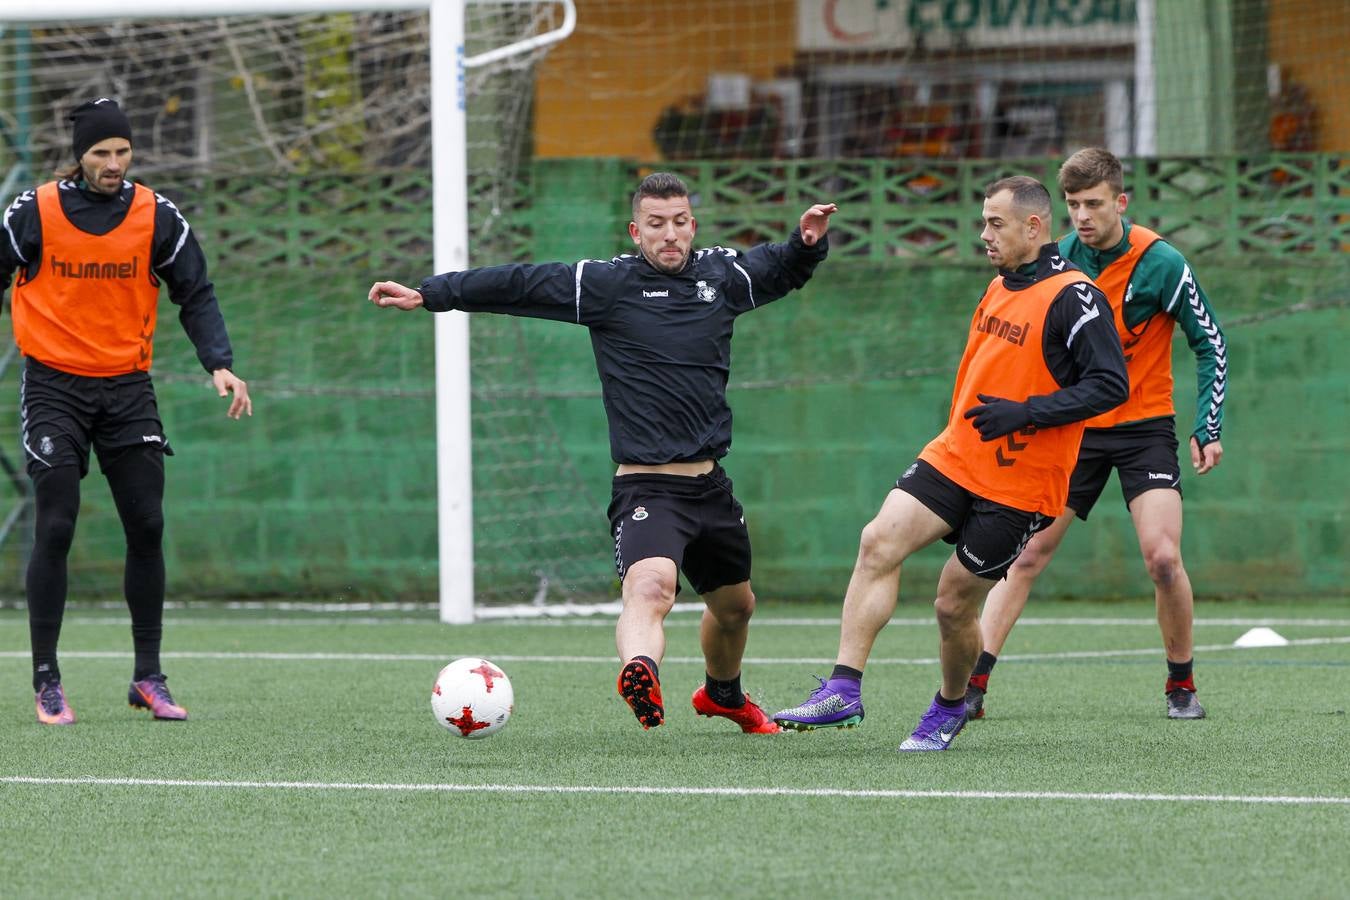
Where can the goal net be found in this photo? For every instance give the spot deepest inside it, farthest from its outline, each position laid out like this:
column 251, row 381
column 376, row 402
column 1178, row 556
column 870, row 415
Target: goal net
column 298, row 147
column 299, row 150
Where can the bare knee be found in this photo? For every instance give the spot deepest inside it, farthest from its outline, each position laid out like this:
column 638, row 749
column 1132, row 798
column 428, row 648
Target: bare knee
column 649, row 590
column 731, row 609
column 1031, row 562
column 958, row 600
column 876, row 552
column 954, row 612
column 1163, row 561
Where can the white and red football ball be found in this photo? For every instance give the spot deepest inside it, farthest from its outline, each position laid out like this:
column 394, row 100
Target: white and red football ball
column 472, row 698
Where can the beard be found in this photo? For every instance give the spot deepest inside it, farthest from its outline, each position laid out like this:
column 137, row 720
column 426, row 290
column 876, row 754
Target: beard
column 92, row 179
column 664, row 266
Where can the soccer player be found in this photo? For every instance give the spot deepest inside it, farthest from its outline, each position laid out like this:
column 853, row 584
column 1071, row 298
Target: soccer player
column 91, row 250
column 1041, row 356
column 1151, row 288
column 660, row 322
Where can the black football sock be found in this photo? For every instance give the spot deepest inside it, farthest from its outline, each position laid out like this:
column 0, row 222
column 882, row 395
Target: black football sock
column 1180, row 675
column 725, row 693
column 847, row 673
column 984, row 667
column 958, row 703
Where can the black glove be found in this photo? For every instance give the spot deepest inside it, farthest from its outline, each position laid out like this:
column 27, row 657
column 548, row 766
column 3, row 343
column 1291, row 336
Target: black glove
column 995, row 416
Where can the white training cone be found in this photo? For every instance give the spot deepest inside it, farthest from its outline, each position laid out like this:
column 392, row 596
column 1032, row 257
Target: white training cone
column 1261, row 637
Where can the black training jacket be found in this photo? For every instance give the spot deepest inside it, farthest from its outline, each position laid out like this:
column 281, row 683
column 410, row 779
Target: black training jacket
column 662, row 342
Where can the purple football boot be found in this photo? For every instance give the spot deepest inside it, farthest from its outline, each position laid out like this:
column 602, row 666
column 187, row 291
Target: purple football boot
column 837, row 703
column 937, row 728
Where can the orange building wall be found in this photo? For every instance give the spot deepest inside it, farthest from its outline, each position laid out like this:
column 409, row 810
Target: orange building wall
column 599, row 92
column 1309, row 39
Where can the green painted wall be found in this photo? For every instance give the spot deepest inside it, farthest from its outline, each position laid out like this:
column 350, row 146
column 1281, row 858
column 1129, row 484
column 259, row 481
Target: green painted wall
column 837, row 388
column 329, row 490
column 812, row 463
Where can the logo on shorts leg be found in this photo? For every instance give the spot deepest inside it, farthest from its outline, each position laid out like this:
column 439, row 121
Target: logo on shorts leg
column 46, row 446
column 910, row 471
column 975, row 559
column 639, row 514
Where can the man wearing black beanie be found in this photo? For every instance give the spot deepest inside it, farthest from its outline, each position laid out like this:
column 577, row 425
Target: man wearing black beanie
column 94, row 122
column 91, row 249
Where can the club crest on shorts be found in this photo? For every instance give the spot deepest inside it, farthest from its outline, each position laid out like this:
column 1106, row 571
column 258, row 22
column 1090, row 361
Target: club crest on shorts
column 706, row 292
column 910, row 471
column 639, row 514
column 46, row 445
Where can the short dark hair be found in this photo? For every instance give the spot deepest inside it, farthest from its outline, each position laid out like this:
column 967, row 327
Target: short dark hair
column 1028, row 194
column 1090, row 167
column 662, row 185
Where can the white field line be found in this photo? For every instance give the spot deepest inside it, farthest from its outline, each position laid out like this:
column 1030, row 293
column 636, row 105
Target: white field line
column 929, row 621
column 569, row 613
column 884, row 794
column 678, row 621
column 609, row 660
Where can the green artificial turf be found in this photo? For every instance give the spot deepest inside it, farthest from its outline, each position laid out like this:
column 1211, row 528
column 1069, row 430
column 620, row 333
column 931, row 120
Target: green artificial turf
column 315, row 767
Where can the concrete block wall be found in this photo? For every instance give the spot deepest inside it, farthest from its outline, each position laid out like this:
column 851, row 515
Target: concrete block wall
column 329, row 490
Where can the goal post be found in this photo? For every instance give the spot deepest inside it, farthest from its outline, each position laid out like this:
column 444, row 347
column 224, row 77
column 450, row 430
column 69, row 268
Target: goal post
column 450, row 240
column 450, row 236
column 454, row 457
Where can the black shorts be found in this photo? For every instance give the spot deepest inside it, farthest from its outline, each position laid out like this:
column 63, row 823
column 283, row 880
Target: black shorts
column 988, row 536
column 694, row 521
column 62, row 415
column 1144, row 454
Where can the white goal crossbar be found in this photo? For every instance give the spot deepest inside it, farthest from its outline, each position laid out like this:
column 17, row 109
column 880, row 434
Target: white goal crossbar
column 454, row 471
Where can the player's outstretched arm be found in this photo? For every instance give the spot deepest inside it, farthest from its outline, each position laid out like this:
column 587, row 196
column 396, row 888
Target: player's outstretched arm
column 816, row 221
column 391, row 293
column 777, row 269
column 227, row 382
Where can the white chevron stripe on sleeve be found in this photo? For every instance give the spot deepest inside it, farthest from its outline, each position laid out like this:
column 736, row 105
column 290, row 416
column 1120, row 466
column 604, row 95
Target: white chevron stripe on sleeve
column 13, row 242
column 1186, row 279
column 1087, row 316
column 1219, row 390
